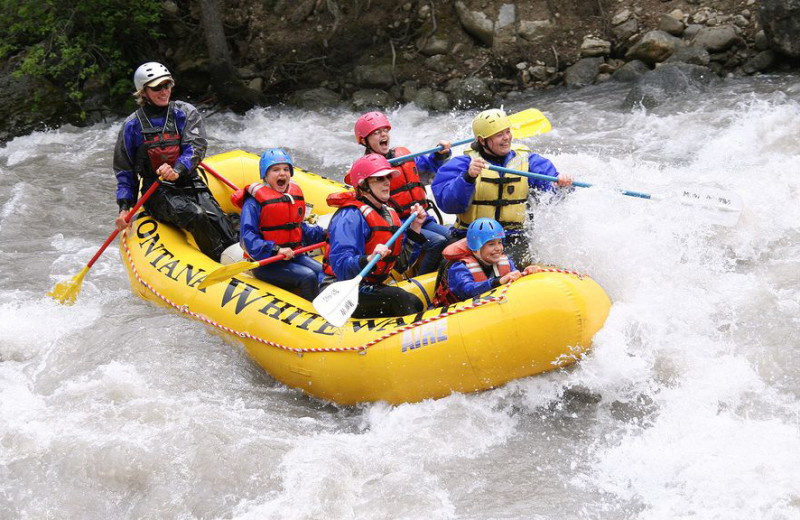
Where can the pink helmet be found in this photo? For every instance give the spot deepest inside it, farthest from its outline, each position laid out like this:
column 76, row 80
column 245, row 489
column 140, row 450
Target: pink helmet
column 368, row 123
column 370, row 165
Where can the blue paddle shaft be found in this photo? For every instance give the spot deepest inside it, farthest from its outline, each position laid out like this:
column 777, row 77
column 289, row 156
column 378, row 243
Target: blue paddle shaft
column 404, row 158
column 550, row 178
column 388, row 243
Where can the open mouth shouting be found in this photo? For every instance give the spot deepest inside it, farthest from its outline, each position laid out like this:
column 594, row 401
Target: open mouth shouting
column 278, row 177
column 379, row 141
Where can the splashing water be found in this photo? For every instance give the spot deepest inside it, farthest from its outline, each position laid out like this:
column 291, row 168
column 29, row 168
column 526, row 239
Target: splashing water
column 686, row 408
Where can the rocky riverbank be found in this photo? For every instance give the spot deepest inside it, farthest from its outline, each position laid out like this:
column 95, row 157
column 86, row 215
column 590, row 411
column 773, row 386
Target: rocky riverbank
column 444, row 54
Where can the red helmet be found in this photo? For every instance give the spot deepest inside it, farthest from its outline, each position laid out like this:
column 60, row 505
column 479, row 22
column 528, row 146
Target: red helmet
column 368, row 123
column 370, row 165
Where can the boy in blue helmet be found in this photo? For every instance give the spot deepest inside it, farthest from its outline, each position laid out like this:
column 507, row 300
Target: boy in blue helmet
column 272, row 224
column 475, row 264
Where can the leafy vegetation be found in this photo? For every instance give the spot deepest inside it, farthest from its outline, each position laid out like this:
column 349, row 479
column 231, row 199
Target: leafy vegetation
column 73, row 41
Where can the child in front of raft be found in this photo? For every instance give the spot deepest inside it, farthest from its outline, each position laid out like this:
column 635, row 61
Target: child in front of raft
column 372, row 130
column 272, row 224
column 464, row 186
column 475, row 264
column 359, row 229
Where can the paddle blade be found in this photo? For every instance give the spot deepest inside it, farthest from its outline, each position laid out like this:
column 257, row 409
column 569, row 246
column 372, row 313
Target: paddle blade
column 719, row 206
column 338, row 301
column 225, row 272
column 67, row 292
column 528, row 123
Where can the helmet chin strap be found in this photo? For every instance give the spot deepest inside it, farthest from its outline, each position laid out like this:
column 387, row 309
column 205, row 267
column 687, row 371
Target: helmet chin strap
column 374, row 195
column 486, row 150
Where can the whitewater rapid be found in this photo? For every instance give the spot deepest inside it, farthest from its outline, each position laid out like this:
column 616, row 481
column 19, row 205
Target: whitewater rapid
column 688, row 405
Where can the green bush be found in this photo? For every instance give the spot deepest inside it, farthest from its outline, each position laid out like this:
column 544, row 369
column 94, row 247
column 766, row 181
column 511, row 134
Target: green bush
column 72, row 41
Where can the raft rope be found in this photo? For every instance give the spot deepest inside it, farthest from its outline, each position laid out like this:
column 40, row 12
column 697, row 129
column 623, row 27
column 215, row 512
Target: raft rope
column 361, row 349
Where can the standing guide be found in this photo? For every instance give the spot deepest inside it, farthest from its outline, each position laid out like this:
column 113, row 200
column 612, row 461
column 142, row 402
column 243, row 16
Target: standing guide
column 167, row 139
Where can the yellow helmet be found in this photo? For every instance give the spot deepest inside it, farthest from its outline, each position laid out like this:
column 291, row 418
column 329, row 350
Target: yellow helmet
column 489, row 122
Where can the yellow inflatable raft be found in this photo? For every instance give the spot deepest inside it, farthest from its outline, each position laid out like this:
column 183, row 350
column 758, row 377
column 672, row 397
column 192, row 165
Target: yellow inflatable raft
column 541, row 322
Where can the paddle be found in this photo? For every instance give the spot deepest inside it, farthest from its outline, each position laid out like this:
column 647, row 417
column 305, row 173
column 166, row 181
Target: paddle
column 338, row 301
column 229, row 271
column 722, row 206
column 67, row 292
column 218, row 176
column 524, row 124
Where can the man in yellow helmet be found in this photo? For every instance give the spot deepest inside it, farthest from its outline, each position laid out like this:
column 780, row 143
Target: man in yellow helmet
column 464, row 185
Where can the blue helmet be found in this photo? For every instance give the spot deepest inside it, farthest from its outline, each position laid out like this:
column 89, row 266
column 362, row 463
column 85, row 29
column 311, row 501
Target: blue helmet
column 274, row 156
column 483, row 230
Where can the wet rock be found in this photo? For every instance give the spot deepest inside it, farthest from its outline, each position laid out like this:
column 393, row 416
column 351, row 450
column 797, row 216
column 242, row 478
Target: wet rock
column 630, row 71
column 691, row 54
column 410, row 89
column 423, row 98
column 761, row 42
column 582, row 73
column 654, row 47
column 371, row 99
column 21, row 112
column 441, row 103
column 430, row 99
column 667, row 81
column 469, row 92
column 781, row 22
column 760, row 62
column 475, row 23
column 314, row 99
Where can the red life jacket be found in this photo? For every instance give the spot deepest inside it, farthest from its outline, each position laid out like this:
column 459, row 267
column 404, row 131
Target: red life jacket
column 459, row 252
column 162, row 145
column 380, row 232
column 281, row 213
column 406, row 188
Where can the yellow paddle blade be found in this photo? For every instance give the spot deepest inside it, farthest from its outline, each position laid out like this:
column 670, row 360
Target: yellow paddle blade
column 528, row 123
column 225, row 272
column 67, row 292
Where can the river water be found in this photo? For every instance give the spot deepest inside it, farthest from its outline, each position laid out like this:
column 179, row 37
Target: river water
column 687, row 407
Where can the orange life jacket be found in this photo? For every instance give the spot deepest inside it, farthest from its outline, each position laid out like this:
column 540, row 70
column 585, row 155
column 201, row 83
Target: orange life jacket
column 281, row 213
column 406, row 188
column 459, row 252
column 381, row 231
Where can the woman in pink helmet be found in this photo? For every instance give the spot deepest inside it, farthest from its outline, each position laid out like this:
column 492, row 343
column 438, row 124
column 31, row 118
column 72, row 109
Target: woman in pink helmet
column 358, row 231
column 372, row 130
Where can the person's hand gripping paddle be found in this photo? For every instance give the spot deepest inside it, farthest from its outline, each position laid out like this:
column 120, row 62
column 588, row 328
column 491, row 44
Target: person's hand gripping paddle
column 338, row 301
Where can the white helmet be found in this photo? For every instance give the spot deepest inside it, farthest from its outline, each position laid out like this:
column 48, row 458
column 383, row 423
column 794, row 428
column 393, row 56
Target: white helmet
column 148, row 73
